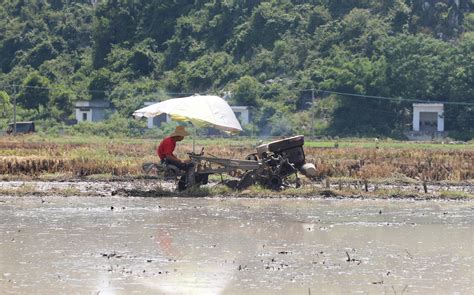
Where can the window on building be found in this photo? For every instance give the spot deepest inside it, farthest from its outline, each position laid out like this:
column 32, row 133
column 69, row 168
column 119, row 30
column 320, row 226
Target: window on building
column 84, row 116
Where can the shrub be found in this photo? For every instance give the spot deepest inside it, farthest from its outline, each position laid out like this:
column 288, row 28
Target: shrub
column 114, row 126
column 462, row 135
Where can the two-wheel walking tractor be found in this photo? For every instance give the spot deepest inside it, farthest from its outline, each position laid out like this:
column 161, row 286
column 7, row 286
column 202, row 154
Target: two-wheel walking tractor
column 274, row 166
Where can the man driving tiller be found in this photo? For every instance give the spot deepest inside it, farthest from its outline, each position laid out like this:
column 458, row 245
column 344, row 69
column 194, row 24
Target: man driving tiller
column 165, row 152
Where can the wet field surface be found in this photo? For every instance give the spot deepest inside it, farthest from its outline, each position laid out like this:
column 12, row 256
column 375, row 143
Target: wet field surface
column 118, row 245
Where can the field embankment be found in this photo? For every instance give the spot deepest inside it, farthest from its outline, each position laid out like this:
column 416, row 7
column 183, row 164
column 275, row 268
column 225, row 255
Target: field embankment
column 359, row 165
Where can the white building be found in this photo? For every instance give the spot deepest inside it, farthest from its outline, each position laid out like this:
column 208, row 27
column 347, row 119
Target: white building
column 156, row 121
column 242, row 114
column 428, row 117
column 92, row 111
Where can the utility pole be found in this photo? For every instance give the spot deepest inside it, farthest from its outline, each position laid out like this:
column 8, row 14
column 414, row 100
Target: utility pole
column 14, row 110
column 311, row 109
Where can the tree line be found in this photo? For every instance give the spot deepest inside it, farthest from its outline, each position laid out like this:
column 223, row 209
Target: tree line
column 305, row 66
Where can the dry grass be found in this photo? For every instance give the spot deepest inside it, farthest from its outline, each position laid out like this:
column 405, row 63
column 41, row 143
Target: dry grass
column 369, row 163
column 39, row 157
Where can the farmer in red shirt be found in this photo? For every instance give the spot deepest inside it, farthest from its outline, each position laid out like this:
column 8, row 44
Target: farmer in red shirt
column 166, row 148
column 165, row 152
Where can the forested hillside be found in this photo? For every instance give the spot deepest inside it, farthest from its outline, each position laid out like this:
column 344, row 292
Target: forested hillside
column 365, row 61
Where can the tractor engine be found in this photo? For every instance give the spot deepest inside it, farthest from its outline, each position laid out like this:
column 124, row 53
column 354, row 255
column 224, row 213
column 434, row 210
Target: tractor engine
column 279, row 159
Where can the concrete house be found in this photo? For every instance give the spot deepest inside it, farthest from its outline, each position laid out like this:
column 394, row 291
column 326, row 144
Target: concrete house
column 428, row 117
column 242, row 114
column 93, row 110
column 158, row 120
column 428, row 121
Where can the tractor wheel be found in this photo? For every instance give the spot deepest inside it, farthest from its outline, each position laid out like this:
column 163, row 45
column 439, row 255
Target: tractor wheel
column 275, row 182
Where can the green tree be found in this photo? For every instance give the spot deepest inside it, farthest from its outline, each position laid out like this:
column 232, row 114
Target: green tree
column 132, row 62
column 320, row 15
column 115, row 22
column 158, row 19
column 469, row 22
column 61, row 103
column 34, row 92
column 357, row 115
column 339, row 8
column 102, row 41
column 74, row 25
column 273, row 50
column 247, row 91
column 461, row 78
column 207, row 72
column 288, row 56
column 100, row 84
column 130, row 96
column 418, row 66
column 41, row 53
column 399, row 16
column 6, row 105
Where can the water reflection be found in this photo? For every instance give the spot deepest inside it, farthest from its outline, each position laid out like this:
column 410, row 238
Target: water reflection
column 200, row 246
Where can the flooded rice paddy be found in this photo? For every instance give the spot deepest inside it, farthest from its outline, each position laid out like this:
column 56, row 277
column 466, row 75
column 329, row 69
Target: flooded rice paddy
column 118, row 245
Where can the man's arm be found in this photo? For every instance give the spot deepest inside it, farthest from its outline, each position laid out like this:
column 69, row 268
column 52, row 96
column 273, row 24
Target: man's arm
column 173, row 158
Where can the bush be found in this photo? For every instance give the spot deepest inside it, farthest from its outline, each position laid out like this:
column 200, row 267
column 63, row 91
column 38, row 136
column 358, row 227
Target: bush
column 250, row 130
column 114, row 126
column 462, row 135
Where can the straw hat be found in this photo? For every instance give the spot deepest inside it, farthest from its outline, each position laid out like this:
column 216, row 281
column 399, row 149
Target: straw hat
column 180, row 131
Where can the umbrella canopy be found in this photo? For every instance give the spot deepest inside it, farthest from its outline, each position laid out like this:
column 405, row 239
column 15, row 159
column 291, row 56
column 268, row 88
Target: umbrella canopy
column 200, row 110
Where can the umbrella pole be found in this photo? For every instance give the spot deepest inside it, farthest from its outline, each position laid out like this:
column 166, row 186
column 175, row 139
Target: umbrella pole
column 194, row 136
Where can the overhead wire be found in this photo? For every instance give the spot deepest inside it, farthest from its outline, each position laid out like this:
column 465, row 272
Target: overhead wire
column 167, row 93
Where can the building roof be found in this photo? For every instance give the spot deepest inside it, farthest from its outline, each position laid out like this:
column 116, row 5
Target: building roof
column 239, row 108
column 92, row 104
column 428, row 105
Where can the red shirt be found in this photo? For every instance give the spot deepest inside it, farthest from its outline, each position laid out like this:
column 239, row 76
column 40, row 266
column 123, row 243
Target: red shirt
column 166, row 147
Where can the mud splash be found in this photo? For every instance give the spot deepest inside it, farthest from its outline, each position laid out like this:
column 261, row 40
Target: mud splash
column 116, row 245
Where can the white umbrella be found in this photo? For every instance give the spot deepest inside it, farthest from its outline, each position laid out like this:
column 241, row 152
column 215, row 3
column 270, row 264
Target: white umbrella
column 200, row 110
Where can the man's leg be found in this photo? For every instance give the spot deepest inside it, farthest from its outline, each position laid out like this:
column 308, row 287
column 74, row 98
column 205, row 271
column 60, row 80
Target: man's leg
column 190, row 177
column 188, row 168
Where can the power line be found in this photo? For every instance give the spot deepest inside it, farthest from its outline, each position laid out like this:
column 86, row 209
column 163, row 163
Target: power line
column 93, row 90
column 397, row 115
column 263, row 92
column 396, row 99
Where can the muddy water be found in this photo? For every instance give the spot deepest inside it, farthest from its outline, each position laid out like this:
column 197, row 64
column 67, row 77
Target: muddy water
column 114, row 245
